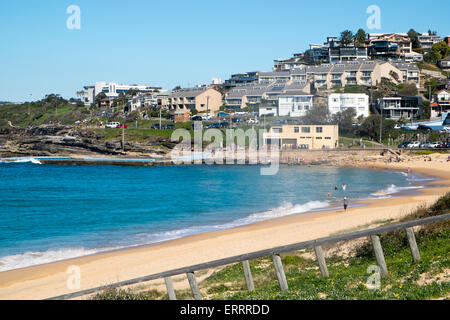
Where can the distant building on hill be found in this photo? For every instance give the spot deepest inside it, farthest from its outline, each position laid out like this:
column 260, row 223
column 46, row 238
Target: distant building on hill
column 112, row 90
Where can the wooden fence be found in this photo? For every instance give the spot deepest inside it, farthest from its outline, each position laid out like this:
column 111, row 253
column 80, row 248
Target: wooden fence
column 275, row 254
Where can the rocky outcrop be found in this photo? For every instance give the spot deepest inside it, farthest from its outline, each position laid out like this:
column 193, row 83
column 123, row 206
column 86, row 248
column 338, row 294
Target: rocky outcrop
column 66, row 140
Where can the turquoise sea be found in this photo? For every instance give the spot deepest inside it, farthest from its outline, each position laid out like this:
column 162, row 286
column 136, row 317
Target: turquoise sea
column 52, row 212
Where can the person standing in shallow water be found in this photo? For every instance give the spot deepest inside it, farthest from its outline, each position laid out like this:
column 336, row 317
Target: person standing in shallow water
column 345, row 203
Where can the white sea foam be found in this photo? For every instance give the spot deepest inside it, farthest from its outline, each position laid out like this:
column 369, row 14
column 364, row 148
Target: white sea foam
column 394, row 189
column 31, row 258
column 35, row 258
column 20, row 160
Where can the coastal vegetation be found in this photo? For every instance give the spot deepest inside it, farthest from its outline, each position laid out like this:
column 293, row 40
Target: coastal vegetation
column 347, row 264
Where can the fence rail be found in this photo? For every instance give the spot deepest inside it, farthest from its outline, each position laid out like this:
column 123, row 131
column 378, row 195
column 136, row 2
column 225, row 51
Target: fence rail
column 275, row 253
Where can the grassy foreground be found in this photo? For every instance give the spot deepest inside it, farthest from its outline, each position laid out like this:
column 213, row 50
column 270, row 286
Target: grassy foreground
column 349, row 272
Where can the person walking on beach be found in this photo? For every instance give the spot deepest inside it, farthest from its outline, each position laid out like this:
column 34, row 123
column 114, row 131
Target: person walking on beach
column 335, row 188
column 345, row 203
column 344, row 186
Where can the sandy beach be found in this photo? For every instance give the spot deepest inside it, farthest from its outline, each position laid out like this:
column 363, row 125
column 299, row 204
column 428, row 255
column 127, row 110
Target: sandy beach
column 44, row 281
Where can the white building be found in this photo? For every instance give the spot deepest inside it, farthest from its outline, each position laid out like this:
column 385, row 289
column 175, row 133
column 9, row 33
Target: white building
column 340, row 102
column 112, row 90
column 294, row 103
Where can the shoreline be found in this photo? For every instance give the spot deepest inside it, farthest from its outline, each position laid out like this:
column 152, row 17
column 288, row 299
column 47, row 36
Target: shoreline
column 46, row 280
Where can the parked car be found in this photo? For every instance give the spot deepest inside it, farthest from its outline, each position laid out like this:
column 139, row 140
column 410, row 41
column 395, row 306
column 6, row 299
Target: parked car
column 120, row 126
column 155, row 126
column 252, row 121
column 112, row 125
column 206, row 117
column 169, row 126
column 224, row 125
column 197, row 118
column 446, row 130
column 435, row 144
column 415, row 144
column 170, row 117
column 425, row 144
column 442, row 145
column 223, row 114
column 403, row 144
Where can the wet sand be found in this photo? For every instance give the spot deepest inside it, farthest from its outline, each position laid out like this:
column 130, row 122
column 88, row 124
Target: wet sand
column 47, row 280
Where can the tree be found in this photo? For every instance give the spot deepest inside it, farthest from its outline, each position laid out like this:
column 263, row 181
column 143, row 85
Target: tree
column 430, row 57
column 344, row 120
column 346, row 38
column 441, row 49
column 317, row 115
column 426, row 111
column 176, row 88
column 360, row 37
column 409, row 89
column 414, row 37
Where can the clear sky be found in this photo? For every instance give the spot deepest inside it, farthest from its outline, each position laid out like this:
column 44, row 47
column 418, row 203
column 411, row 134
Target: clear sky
column 169, row 43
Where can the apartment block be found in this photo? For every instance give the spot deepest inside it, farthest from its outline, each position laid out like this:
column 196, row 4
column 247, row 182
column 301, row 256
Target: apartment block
column 365, row 73
column 358, row 101
column 202, row 99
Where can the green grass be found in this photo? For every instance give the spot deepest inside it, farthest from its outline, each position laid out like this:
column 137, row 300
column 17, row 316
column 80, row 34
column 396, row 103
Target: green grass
column 428, row 279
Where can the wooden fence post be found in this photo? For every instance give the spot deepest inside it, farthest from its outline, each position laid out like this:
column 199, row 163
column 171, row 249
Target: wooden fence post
column 379, row 256
column 280, row 272
column 194, row 287
column 248, row 276
column 413, row 244
column 169, row 287
column 321, row 259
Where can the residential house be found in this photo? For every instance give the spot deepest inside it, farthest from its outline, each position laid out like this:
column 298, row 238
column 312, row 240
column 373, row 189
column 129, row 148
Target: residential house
column 357, row 101
column 391, row 47
column 241, row 79
column 203, row 99
column 410, row 72
column 308, row 137
column 294, row 103
column 444, row 64
column 400, row 107
column 271, row 77
column 287, row 64
column 440, row 103
column 426, row 41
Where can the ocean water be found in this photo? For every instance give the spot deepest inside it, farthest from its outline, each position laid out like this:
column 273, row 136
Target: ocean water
column 51, row 212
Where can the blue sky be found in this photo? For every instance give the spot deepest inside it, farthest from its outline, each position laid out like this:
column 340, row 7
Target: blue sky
column 169, row 43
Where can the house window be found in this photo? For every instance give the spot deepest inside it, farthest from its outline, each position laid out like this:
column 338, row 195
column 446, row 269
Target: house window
column 319, row 129
column 327, row 138
column 296, row 129
column 278, row 130
column 306, row 129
